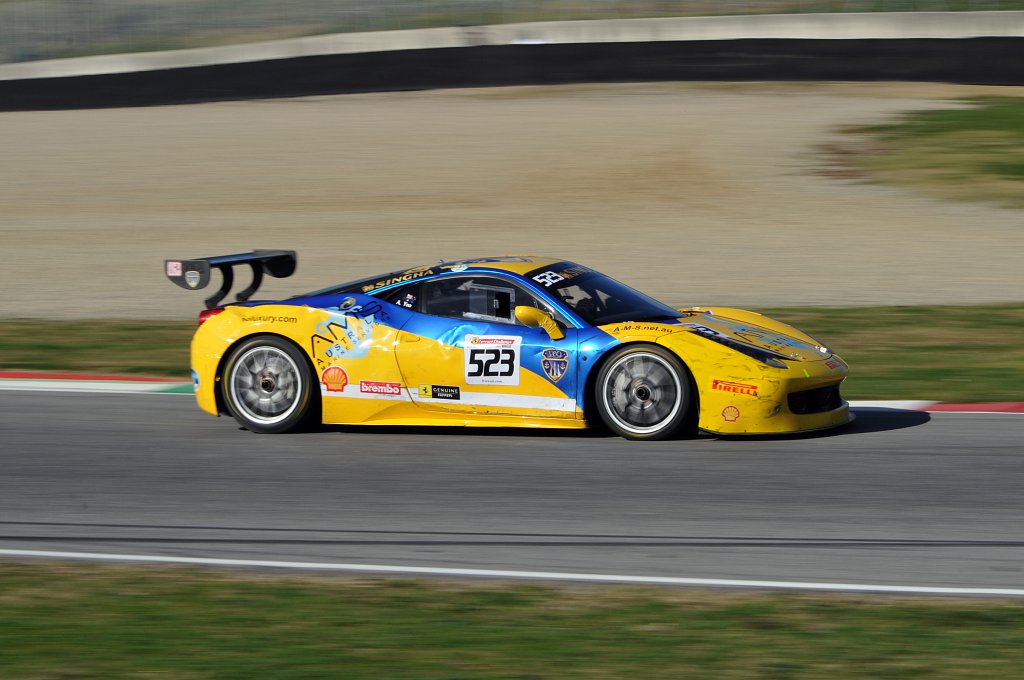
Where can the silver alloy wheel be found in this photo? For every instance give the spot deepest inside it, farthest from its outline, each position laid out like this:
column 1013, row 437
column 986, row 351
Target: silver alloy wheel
column 265, row 384
column 642, row 392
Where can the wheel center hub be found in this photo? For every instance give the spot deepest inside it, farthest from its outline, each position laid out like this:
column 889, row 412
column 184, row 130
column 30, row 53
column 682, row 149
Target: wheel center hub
column 267, row 383
column 642, row 392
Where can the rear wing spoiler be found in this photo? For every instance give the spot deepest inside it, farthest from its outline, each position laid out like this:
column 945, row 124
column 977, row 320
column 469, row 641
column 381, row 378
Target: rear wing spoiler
column 195, row 274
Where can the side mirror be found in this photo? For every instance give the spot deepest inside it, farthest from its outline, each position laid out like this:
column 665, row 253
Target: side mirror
column 533, row 317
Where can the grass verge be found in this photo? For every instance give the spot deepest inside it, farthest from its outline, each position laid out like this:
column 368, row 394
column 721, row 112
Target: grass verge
column 968, row 153
column 90, row 621
column 940, row 353
column 152, row 348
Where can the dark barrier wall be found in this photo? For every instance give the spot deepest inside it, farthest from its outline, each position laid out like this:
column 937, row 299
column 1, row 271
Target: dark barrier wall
column 994, row 61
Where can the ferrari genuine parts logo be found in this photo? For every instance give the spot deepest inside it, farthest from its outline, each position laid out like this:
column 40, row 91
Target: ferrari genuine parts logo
column 449, row 392
column 555, row 363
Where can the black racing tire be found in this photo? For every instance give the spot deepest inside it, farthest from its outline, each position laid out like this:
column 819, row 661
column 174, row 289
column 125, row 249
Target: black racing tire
column 267, row 385
column 644, row 392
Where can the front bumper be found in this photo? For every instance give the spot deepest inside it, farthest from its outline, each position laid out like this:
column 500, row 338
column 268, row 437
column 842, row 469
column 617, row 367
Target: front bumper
column 801, row 398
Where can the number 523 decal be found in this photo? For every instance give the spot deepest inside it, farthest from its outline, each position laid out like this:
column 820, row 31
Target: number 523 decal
column 492, row 359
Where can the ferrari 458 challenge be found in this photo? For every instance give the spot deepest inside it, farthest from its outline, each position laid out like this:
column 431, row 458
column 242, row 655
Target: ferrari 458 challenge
column 502, row 341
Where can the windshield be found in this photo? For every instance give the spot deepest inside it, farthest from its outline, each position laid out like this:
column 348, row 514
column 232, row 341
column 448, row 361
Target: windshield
column 598, row 299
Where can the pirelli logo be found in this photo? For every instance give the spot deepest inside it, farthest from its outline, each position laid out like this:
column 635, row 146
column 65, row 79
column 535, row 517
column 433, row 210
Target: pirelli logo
column 738, row 388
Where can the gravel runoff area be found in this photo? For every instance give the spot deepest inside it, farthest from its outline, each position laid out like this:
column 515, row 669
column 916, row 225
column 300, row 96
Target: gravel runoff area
column 697, row 193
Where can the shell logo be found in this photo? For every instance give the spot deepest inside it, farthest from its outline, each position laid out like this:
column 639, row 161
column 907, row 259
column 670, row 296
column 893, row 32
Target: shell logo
column 334, row 379
column 731, row 414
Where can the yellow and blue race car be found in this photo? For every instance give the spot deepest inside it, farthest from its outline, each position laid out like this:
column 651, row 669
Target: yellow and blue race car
column 517, row 341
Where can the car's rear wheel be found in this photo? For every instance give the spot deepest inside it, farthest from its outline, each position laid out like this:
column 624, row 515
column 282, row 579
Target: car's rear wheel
column 267, row 385
column 645, row 392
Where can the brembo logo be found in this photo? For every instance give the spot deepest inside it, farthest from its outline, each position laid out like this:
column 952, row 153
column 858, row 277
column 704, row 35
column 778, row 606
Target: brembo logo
column 738, row 388
column 373, row 387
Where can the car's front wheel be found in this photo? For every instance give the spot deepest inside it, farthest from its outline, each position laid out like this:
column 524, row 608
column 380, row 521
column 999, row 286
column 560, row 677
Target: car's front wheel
column 267, row 385
column 645, row 392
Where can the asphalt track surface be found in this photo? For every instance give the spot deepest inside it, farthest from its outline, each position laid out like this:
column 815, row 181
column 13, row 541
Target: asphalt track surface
column 903, row 498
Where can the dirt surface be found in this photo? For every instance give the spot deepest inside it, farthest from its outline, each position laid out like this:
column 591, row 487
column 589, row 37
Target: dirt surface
column 695, row 193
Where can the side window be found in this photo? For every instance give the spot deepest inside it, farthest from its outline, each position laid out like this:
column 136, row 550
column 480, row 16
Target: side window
column 481, row 298
column 478, row 298
column 527, row 299
column 404, row 296
column 491, row 303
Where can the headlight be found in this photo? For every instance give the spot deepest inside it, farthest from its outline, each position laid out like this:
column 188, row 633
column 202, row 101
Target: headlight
column 772, row 361
column 766, row 357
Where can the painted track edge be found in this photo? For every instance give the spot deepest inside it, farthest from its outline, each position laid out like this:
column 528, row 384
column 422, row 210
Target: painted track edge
column 583, row 577
column 31, row 381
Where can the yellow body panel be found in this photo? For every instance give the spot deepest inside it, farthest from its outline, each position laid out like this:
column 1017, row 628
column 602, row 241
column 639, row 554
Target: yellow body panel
column 214, row 338
column 753, row 318
column 363, row 381
column 740, row 396
column 425, row 361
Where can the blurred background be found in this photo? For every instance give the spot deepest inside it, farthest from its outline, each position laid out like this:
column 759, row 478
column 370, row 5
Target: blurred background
column 752, row 194
column 666, row 185
column 48, row 29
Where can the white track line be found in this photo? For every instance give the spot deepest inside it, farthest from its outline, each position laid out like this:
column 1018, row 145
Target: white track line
column 519, row 575
column 901, row 404
column 976, row 413
column 92, row 386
